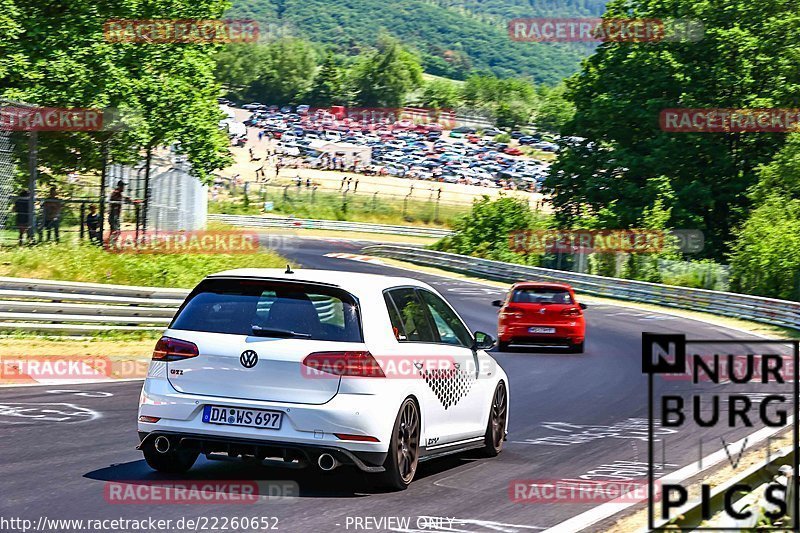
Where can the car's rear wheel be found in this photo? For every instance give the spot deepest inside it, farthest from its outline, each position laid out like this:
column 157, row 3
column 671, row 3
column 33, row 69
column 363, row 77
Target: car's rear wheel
column 172, row 461
column 403, row 457
column 576, row 348
column 496, row 427
column 503, row 346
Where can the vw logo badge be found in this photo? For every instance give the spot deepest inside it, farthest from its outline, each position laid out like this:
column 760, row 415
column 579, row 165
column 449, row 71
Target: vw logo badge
column 542, row 311
column 248, row 359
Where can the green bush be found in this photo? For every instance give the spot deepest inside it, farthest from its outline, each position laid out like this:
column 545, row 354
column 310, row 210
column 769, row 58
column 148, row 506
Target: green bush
column 765, row 261
column 488, row 229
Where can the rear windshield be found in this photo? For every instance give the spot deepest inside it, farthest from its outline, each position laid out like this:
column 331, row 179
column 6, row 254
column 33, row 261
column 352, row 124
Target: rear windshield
column 540, row 295
column 271, row 309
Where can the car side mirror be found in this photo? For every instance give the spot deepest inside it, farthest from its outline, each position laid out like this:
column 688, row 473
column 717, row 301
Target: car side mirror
column 483, row 341
column 583, row 306
column 497, row 303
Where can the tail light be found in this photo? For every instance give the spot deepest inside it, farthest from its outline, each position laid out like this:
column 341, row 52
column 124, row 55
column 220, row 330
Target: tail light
column 511, row 312
column 169, row 349
column 572, row 311
column 356, row 364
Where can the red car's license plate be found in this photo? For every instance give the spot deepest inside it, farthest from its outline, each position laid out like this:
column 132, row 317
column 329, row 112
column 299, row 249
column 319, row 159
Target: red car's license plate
column 541, row 330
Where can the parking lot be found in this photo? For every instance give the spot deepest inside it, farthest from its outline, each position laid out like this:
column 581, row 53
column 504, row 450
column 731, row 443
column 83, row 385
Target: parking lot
column 403, row 147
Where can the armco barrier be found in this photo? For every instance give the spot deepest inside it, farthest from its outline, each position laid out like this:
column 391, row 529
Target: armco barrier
column 336, row 225
column 766, row 310
column 68, row 307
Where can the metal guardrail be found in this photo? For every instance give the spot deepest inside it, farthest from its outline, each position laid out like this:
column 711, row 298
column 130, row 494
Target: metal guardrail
column 337, row 225
column 60, row 307
column 754, row 308
column 55, row 306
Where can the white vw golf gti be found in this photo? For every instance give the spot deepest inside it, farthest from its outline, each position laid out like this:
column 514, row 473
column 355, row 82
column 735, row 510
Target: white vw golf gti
column 319, row 367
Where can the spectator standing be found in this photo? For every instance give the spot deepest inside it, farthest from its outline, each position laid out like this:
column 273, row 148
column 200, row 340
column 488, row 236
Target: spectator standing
column 52, row 206
column 115, row 210
column 22, row 210
column 93, row 225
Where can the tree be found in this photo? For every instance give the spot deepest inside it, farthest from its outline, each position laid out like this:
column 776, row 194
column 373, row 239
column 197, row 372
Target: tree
column 623, row 87
column 236, row 66
column 328, row 88
column 554, row 110
column 782, row 174
column 440, row 94
column 510, row 101
column 385, row 77
column 764, row 259
column 284, row 72
column 70, row 62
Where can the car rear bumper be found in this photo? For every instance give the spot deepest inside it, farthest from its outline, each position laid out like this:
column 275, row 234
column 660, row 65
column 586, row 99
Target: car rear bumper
column 565, row 334
column 273, row 452
column 303, row 426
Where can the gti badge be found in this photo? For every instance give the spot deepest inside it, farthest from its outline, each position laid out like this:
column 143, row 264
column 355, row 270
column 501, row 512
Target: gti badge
column 248, row 359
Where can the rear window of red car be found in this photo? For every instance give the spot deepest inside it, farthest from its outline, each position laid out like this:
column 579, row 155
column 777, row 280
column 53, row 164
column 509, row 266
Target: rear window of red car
column 542, row 295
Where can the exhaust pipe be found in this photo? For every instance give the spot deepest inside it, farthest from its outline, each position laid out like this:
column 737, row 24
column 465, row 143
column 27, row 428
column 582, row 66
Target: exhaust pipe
column 327, row 462
column 161, row 444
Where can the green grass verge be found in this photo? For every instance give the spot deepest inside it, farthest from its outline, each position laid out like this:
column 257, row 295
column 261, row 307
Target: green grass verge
column 88, row 263
column 358, row 207
column 121, row 336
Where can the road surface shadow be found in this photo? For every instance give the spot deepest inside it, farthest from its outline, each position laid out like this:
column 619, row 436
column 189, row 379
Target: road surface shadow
column 344, row 482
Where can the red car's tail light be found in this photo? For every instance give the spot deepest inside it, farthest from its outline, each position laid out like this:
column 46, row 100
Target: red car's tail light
column 169, row 349
column 356, row 364
column 511, row 312
column 572, row 311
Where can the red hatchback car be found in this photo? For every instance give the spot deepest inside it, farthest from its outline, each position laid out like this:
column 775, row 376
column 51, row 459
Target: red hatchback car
column 541, row 314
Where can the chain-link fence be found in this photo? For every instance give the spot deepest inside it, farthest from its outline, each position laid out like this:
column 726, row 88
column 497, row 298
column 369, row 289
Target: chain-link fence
column 17, row 203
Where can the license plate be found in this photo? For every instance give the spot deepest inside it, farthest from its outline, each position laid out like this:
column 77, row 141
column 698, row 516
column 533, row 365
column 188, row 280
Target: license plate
column 541, row 330
column 234, row 416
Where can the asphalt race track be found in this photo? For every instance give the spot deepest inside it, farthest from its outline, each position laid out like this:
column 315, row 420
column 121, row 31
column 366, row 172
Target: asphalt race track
column 590, row 409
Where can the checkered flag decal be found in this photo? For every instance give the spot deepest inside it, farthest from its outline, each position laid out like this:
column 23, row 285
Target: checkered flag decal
column 450, row 385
